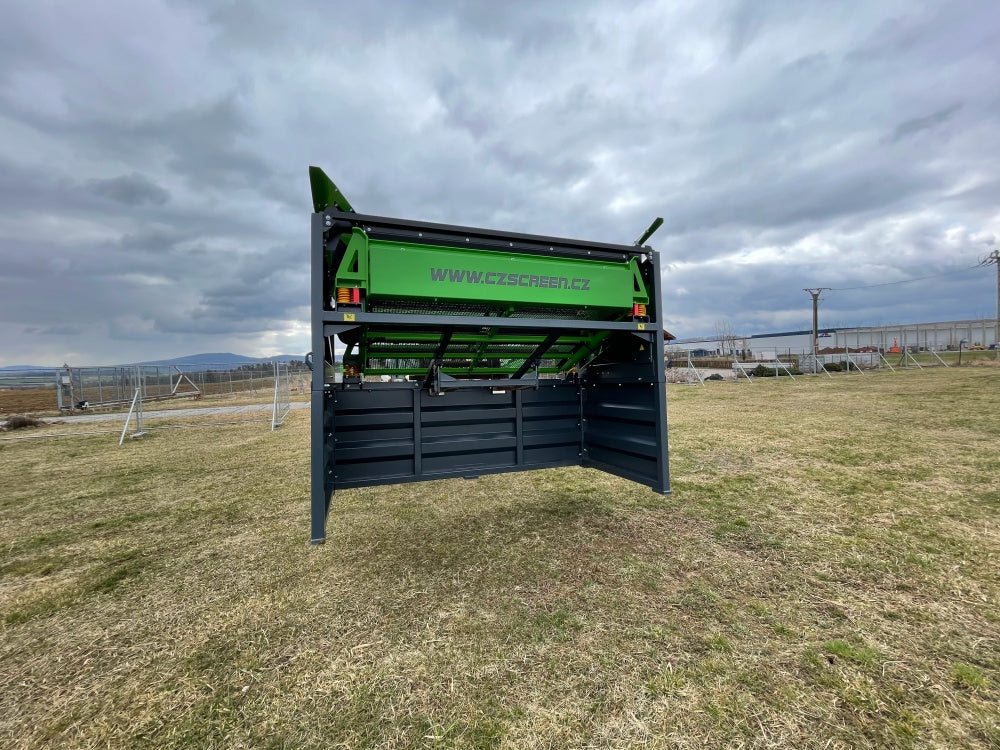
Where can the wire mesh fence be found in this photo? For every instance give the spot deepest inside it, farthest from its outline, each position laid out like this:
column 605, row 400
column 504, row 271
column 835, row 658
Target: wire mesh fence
column 63, row 402
column 695, row 366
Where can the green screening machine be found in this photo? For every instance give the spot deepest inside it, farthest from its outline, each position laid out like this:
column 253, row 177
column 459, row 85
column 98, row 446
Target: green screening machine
column 472, row 351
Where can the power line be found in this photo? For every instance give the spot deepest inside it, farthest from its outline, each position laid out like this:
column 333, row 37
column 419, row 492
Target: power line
column 906, row 281
column 990, row 259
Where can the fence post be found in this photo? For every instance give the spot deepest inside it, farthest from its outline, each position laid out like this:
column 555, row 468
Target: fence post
column 136, row 402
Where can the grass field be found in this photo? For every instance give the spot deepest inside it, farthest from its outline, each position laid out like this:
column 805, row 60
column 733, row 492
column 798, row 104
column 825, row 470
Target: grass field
column 825, row 575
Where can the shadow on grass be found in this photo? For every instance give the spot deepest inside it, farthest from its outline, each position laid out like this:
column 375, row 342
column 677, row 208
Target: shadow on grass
column 491, row 523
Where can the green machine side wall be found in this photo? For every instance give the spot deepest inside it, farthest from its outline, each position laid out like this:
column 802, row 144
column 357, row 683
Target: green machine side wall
column 409, row 271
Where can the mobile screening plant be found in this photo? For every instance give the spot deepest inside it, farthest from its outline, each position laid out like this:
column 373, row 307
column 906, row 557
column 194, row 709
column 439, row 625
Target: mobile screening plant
column 502, row 351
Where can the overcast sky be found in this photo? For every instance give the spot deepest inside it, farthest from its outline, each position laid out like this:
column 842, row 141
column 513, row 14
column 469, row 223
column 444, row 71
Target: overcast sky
column 154, row 198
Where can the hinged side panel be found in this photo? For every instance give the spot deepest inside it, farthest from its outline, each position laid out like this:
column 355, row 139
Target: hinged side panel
column 624, row 408
column 386, row 433
column 622, row 420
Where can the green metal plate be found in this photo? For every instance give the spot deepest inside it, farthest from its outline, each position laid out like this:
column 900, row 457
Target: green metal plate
column 325, row 193
column 411, row 271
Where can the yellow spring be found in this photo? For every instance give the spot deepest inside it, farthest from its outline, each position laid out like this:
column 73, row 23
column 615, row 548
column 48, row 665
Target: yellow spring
column 639, row 310
column 343, row 295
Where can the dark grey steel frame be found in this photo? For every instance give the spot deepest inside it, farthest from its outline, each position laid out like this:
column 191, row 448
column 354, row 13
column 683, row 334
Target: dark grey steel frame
column 611, row 416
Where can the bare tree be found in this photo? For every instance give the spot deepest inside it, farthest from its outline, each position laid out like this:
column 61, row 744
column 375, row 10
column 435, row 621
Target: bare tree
column 727, row 337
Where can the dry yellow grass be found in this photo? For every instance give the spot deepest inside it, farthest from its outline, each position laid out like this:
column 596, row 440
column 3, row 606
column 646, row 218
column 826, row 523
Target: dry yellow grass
column 824, row 575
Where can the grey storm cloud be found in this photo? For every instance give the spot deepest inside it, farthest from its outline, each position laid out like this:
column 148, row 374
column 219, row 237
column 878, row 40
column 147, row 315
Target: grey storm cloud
column 131, row 189
column 915, row 125
column 154, row 199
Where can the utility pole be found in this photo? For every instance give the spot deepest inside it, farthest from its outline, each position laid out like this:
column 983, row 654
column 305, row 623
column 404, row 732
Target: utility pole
column 815, row 297
column 993, row 259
